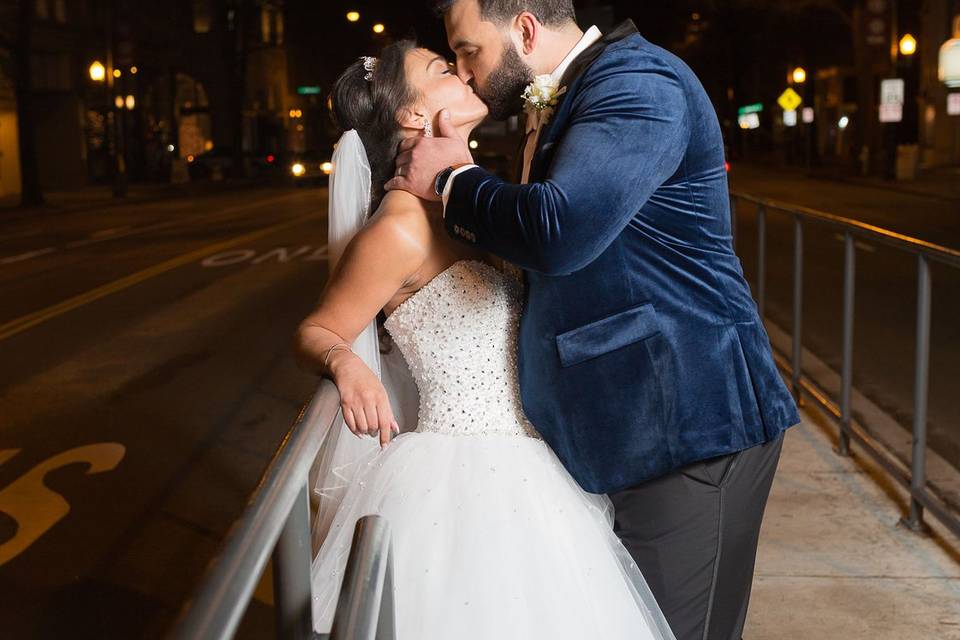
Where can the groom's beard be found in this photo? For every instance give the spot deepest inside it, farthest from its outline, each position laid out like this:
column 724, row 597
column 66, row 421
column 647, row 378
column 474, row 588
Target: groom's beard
column 504, row 93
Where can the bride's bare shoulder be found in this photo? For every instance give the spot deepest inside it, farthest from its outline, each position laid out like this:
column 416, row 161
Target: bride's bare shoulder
column 397, row 236
column 404, row 217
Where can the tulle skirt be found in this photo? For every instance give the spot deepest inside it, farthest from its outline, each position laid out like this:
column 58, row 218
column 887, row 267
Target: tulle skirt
column 491, row 538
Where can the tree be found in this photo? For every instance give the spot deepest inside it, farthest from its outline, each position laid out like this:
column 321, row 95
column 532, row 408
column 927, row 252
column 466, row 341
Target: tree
column 15, row 50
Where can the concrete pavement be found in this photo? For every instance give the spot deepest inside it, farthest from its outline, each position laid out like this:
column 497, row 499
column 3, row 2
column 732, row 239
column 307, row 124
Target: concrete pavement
column 833, row 561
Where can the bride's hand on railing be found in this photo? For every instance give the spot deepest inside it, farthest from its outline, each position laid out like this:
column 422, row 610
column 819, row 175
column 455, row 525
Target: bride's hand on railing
column 363, row 398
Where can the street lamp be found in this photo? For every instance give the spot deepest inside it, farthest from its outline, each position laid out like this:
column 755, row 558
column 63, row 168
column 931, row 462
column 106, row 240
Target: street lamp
column 948, row 69
column 799, row 75
column 353, row 16
column 130, row 102
column 116, row 73
column 118, row 102
column 908, row 45
column 378, row 28
column 97, row 71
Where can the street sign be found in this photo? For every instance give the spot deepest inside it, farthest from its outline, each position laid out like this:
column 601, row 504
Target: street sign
column 892, row 91
column 892, row 112
column 875, row 22
column 807, row 115
column 789, row 118
column 750, row 108
column 308, row 91
column 953, row 104
column 789, row 100
column 749, row 121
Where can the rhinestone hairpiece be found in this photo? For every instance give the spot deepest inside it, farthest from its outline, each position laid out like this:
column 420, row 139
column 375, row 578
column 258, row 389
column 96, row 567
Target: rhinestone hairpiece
column 370, row 64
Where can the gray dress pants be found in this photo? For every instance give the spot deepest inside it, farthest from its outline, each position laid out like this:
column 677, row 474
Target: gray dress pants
column 694, row 535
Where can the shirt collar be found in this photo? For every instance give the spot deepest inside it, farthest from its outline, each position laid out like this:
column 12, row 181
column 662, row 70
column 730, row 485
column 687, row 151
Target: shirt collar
column 592, row 35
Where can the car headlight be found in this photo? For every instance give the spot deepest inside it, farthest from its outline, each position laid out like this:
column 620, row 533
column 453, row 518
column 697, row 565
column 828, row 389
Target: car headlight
column 297, row 169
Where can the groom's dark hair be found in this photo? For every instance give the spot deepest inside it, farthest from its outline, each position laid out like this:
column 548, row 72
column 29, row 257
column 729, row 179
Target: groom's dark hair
column 552, row 13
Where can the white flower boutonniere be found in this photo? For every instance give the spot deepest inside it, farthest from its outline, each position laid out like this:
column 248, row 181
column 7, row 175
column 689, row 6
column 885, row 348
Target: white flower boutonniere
column 540, row 97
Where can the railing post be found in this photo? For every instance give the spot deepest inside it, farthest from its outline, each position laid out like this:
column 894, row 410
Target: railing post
column 797, row 305
column 291, row 573
column 849, row 285
column 918, row 463
column 761, row 259
column 365, row 610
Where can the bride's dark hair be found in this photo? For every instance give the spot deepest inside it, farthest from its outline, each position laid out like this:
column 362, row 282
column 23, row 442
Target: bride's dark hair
column 373, row 108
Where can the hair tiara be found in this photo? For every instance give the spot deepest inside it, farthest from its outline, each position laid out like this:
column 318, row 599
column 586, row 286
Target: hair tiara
column 370, row 64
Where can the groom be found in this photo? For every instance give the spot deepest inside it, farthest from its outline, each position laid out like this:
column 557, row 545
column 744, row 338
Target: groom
column 642, row 359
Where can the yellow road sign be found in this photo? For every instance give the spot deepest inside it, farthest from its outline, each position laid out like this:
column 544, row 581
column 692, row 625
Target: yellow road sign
column 789, row 100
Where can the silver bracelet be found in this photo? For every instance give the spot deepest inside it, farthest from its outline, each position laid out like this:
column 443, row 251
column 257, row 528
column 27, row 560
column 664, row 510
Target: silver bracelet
column 341, row 345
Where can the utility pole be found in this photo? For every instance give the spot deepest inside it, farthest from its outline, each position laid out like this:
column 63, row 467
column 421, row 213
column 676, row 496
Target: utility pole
column 114, row 113
column 31, row 194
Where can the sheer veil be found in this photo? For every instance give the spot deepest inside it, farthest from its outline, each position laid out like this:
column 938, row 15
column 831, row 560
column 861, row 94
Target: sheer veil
column 342, row 452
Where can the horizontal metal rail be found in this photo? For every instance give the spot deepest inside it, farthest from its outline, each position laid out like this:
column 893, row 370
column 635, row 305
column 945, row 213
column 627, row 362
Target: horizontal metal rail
column 860, row 229
column 276, row 521
column 922, row 495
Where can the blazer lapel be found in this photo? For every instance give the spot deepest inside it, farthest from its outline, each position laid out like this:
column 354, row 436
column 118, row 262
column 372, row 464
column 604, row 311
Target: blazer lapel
column 576, row 68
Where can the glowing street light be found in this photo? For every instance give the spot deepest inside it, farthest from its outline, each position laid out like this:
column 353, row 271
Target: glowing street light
column 908, row 45
column 130, row 102
column 474, row 144
column 133, row 70
column 843, row 123
column 353, row 16
column 116, row 73
column 118, row 102
column 799, row 75
column 97, row 71
column 379, row 28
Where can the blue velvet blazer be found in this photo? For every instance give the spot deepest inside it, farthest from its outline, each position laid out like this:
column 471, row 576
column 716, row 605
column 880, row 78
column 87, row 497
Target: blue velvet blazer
column 640, row 349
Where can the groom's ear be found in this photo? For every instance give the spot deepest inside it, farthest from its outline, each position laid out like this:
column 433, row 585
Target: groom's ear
column 526, row 30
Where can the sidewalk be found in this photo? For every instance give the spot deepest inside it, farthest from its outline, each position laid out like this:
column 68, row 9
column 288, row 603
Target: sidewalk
column 942, row 183
column 834, row 563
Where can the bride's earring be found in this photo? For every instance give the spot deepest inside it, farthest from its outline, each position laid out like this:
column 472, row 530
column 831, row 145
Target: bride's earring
column 427, row 129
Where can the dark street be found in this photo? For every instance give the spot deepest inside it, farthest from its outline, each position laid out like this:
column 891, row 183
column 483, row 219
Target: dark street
column 152, row 343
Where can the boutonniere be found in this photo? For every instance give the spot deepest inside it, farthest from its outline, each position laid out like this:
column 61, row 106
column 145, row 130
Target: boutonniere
column 540, row 97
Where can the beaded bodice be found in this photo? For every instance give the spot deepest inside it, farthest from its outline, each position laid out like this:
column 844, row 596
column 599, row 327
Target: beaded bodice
column 458, row 334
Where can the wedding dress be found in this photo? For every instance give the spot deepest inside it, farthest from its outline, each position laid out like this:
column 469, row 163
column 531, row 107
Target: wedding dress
column 491, row 537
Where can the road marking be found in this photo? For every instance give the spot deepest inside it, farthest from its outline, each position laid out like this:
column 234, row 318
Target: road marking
column 110, row 231
column 282, row 254
column 28, row 255
column 34, row 507
column 25, row 322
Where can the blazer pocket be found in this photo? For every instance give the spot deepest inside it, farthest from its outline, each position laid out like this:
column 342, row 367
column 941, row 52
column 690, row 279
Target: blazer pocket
column 606, row 335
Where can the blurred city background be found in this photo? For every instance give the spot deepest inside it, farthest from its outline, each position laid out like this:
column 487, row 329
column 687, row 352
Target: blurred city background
column 163, row 172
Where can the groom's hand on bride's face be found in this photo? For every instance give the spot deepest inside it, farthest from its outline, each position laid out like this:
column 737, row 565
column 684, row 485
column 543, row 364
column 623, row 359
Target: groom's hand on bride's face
column 421, row 159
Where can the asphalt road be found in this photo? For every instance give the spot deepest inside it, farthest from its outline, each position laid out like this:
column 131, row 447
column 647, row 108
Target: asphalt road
column 886, row 285
column 145, row 381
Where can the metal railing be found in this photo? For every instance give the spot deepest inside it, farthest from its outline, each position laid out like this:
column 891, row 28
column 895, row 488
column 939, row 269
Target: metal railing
column 277, row 522
column 921, row 495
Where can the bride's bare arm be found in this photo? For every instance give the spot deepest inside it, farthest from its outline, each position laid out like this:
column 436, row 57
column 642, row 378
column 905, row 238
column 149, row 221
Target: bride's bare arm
column 376, row 264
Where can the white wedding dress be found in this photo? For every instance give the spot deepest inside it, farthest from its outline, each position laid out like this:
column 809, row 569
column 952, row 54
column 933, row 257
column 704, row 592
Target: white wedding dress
column 491, row 537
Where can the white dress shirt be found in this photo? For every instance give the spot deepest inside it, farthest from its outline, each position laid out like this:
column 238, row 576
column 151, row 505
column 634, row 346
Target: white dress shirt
column 592, row 35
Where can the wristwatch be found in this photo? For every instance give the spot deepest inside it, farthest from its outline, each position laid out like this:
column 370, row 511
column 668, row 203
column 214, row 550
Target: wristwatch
column 440, row 182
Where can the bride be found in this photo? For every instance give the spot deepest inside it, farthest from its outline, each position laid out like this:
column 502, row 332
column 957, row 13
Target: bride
column 491, row 536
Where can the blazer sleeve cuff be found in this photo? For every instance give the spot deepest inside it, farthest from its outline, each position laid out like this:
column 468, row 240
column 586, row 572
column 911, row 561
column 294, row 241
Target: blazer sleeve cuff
column 445, row 196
